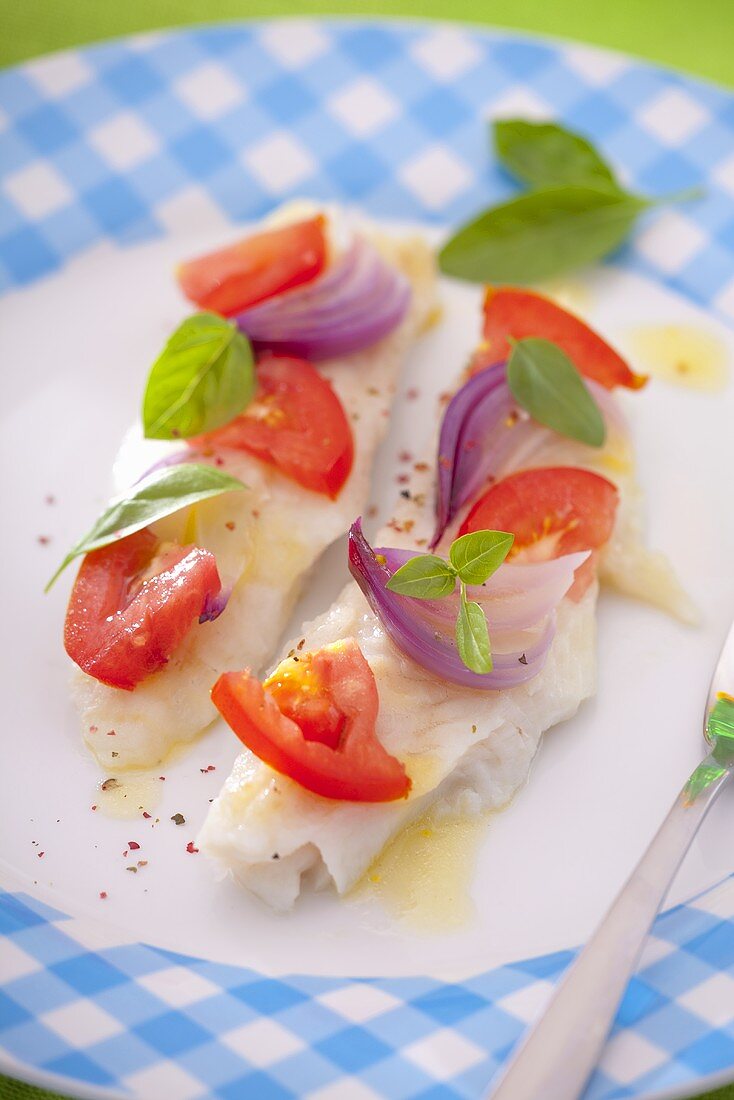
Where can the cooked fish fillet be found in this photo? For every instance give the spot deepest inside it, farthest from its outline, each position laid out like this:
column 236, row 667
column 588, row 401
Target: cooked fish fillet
column 463, row 748
column 265, row 541
column 277, row 837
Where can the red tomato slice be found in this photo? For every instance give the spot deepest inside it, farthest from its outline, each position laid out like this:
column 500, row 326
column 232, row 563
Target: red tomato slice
column 296, row 423
column 234, row 278
column 350, row 764
column 551, row 511
column 132, row 604
column 510, row 311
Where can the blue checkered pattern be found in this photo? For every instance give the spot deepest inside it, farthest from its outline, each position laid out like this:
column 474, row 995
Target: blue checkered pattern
column 154, row 1023
column 128, row 141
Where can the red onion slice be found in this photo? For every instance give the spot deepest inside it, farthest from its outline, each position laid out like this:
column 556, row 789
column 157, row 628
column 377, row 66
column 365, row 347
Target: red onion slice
column 214, row 605
column 358, row 301
column 516, row 597
column 485, row 435
column 173, row 458
column 424, row 631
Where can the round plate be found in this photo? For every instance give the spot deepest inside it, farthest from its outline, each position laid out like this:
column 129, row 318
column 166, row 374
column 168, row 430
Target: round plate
column 120, row 160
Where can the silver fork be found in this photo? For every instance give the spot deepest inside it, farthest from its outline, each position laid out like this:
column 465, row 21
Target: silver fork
column 556, row 1058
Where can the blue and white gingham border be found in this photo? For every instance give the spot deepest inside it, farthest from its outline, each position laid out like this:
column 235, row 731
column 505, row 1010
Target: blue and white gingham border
column 131, row 140
column 79, row 1003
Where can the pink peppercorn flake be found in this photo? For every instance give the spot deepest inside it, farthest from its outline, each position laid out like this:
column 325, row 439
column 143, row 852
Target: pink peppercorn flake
column 190, row 848
column 146, row 815
column 40, row 854
column 133, row 845
column 405, row 456
column 50, row 499
column 43, row 540
column 103, row 894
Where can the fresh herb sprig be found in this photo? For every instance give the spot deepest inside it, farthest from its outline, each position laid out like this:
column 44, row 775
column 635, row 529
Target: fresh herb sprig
column 161, row 494
column 202, row 379
column 473, row 558
column 545, row 382
column 577, row 212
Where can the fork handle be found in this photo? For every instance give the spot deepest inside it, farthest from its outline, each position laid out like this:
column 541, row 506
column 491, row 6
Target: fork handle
column 561, row 1050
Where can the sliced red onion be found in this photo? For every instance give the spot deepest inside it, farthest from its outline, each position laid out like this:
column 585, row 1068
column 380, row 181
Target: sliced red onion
column 214, row 605
column 516, row 597
column 485, row 435
column 359, row 300
column 174, row 458
column 424, row 630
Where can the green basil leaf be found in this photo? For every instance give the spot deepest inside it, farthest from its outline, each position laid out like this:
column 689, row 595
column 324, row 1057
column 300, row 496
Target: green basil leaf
column 476, row 556
column 547, row 155
column 544, row 381
column 202, row 379
column 159, row 495
column 426, row 577
column 541, row 234
column 472, row 636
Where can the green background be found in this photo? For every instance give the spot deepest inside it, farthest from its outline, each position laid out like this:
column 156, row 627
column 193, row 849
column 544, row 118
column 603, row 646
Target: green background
column 694, row 35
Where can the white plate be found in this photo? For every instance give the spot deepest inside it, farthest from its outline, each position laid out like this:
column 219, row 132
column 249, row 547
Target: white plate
column 76, row 347
column 602, row 781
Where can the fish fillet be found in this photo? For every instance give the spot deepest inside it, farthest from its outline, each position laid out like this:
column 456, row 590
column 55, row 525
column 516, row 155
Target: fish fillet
column 265, row 541
column 464, row 749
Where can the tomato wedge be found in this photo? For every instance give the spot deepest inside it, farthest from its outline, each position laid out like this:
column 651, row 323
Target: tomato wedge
column 551, row 511
column 336, row 753
column 132, row 604
column 513, row 312
column 296, row 423
column 237, row 277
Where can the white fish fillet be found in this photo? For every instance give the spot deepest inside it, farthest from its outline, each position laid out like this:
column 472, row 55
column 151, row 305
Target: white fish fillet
column 280, row 529
column 464, row 749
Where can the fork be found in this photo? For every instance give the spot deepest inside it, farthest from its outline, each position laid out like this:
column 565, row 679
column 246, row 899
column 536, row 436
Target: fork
column 556, row 1058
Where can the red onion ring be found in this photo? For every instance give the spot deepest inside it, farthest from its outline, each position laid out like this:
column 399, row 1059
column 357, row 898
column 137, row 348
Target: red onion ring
column 358, row 301
column 174, row 458
column 214, row 605
column 425, row 632
column 485, row 435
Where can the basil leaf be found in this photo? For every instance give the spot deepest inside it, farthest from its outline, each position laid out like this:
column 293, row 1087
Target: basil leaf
column 472, row 636
column 159, row 495
column 202, row 379
column 544, row 381
column 547, row 155
column 541, row 234
column 426, row 577
column 476, row 556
